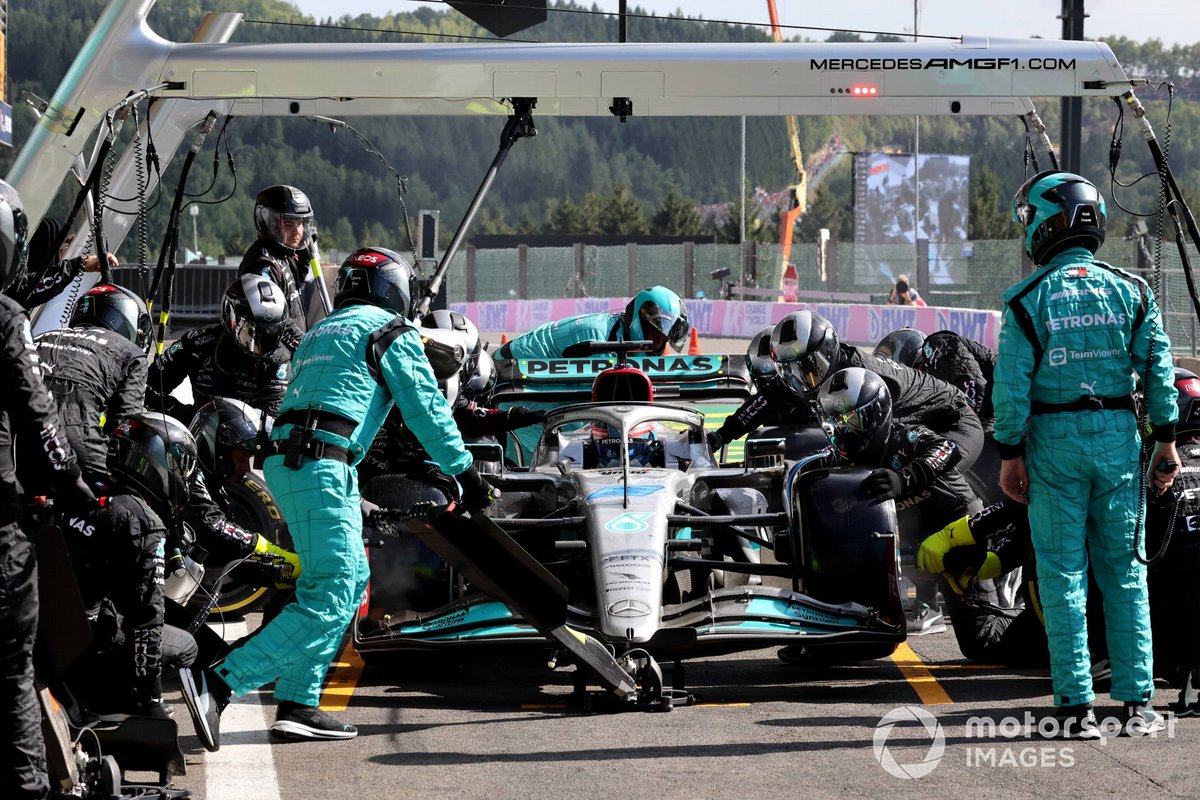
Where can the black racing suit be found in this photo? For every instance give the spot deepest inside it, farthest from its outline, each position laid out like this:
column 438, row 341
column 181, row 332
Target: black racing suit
column 922, row 399
column 31, row 410
column 774, row 404
column 117, row 553
column 1173, row 578
column 1014, row 636
column 964, row 363
column 216, row 367
column 934, row 491
column 32, row 289
column 289, row 269
column 969, row 365
column 92, row 373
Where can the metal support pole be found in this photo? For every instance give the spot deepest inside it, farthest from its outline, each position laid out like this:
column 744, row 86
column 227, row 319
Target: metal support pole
column 1072, row 107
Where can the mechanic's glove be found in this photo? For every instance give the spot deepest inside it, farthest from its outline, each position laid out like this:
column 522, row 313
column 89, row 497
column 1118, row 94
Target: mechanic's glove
column 75, row 495
column 367, row 508
column 884, row 484
column 932, row 552
column 970, row 563
column 265, row 547
column 715, row 441
column 523, row 416
column 477, row 494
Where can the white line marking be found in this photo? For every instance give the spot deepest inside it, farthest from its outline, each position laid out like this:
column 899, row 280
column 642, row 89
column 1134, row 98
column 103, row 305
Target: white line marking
column 243, row 769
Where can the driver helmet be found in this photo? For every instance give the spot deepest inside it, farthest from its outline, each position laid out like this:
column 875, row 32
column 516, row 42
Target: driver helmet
column 758, row 357
column 14, row 235
column 1059, row 210
column 117, row 309
column 657, row 314
column 220, row 427
column 156, row 455
column 856, row 411
column 375, row 276
column 254, row 314
column 643, row 444
column 805, row 347
column 277, row 204
column 902, row 345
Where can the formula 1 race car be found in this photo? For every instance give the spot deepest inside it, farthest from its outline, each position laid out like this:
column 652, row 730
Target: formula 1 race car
column 661, row 552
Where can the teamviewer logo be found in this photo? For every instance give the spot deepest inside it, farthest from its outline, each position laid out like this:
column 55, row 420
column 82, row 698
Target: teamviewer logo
column 1057, row 356
column 931, row 728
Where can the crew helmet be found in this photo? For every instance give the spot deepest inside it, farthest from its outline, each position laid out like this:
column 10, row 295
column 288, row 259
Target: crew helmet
column 276, row 203
column 14, row 235
column 1059, row 210
column 657, row 314
column 254, row 314
column 805, row 346
column 117, row 309
column 463, row 332
column 375, row 276
column 902, row 345
column 156, row 455
column 481, row 383
column 221, row 426
column 856, row 409
column 758, row 357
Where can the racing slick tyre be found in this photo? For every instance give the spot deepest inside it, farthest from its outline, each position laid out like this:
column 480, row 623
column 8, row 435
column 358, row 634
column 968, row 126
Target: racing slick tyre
column 253, row 507
column 846, row 550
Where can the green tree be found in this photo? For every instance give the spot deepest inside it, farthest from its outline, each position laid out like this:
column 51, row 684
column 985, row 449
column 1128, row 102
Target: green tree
column 827, row 210
column 988, row 217
column 677, row 216
column 622, row 213
column 564, row 216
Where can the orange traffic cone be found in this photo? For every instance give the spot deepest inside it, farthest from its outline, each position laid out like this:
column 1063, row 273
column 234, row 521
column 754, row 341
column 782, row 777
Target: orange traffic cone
column 694, row 343
column 503, row 339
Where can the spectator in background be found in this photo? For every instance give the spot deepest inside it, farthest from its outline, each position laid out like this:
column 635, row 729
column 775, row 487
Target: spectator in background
column 903, row 294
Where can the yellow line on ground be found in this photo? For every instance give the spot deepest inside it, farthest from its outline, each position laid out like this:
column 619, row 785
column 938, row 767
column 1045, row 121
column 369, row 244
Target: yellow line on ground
column 965, row 666
column 723, row 705
column 919, row 677
column 343, row 677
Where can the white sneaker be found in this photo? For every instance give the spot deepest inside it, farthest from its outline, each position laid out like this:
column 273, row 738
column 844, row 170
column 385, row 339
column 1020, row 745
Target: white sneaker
column 925, row 619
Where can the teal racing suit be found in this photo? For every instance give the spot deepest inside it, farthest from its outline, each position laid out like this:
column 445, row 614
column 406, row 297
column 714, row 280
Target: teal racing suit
column 1073, row 333
column 555, row 339
column 350, row 369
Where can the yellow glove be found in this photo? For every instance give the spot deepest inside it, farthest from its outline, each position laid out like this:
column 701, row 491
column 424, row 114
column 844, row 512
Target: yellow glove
column 264, row 546
column 933, row 550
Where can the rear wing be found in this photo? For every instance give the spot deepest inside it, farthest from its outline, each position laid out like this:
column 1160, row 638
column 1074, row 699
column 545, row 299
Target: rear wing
column 675, row 378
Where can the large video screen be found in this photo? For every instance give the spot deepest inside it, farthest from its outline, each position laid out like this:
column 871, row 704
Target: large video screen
column 885, row 211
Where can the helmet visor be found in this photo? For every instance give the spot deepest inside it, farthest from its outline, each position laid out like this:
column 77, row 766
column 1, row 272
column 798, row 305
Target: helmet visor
column 256, row 338
column 664, row 327
column 806, row 373
column 850, row 432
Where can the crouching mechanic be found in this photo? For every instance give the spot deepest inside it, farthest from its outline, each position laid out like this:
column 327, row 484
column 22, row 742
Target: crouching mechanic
column 351, row 368
column 656, row 314
column 1074, row 333
column 226, row 433
column 909, row 463
column 117, row 554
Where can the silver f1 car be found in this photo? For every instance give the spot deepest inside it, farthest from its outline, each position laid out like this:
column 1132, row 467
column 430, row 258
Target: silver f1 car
column 661, row 552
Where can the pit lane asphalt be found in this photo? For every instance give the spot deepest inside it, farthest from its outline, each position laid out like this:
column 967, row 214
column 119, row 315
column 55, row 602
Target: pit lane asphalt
column 502, row 728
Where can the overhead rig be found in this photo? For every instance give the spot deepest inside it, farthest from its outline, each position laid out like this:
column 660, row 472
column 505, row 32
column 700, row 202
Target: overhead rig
column 971, row 75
